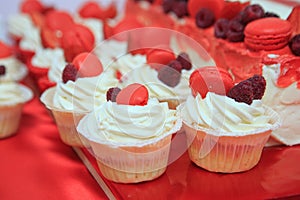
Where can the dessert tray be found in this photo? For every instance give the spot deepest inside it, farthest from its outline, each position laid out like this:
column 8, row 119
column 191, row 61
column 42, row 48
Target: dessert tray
column 277, row 176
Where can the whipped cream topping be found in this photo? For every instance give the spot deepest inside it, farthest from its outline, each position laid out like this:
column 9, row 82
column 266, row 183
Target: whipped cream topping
column 84, row 94
column 285, row 101
column 56, row 70
column 226, row 116
column 109, row 50
column 128, row 62
column 44, row 58
column 14, row 68
column 125, row 125
column 14, row 93
column 148, row 76
column 20, row 24
column 31, row 40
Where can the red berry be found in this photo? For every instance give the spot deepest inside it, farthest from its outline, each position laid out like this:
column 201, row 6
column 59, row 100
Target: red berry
column 271, row 14
column 134, row 94
column 185, row 61
column 69, row 73
column 235, row 32
column 167, row 5
column 180, row 8
column 2, row 70
column 221, row 28
column 294, row 45
column 169, row 76
column 88, row 64
column 205, row 18
column 242, row 92
column 252, row 12
column 175, row 64
column 111, row 94
column 159, row 57
column 259, row 86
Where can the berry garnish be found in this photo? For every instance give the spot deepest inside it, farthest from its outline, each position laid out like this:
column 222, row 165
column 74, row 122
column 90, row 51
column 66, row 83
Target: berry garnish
column 252, row 12
column 150, row 1
column 69, row 73
column 259, row 86
column 159, row 57
column 175, row 64
column 180, row 8
column 169, row 75
column 242, row 92
column 248, row 90
column 167, row 5
column 293, row 18
column 294, row 45
column 210, row 79
column 205, row 18
column 185, row 61
column 111, row 94
column 271, row 14
column 2, row 70
column 134, row 94
column 235, row 31
column 88, row 64
column 221, row 28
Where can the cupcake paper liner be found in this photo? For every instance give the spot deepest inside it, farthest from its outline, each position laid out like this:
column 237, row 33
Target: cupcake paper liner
column 66, row 121
column 228, row 152
column 10, row 114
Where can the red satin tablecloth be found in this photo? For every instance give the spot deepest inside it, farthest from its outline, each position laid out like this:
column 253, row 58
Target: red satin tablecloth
column 35, row 164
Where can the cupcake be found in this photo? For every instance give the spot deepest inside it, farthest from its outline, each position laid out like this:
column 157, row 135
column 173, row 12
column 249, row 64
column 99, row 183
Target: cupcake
column 14, row 68
column 13, row 98
column 76, row 95
column 283, row 95
column 130, row 135
column 226, row 133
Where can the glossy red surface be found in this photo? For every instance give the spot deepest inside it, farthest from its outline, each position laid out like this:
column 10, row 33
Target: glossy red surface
column 277, row 175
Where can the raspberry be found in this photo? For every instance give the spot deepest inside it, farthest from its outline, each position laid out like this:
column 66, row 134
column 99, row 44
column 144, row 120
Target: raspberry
column 259, row 86
column 271, row 14
column 2, row 70
column 167, row 5
column 221, row 28
column 205, row 18
column 252, row 12
column 180, row 8
column 235, row 31
column 169, row 76
column 175, row 64
column 150, row 1
column 69, row 73
column 294, row 45
column 242, row 92
column 185, row 61
column 112, row 93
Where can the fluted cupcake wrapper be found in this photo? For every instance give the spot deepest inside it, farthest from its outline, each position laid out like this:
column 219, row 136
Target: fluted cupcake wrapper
column 133, row 164
column 10, row 119
column 66, row 121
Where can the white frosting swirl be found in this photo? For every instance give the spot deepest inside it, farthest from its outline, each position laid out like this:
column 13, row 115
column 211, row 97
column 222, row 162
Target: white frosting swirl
column 285, row 101
column 14, row 68
column 44, row 58
column 129, row 125
column 56, row 70
column 84, row 94
column 31, row 41
column 128, row 62
column 20, row 24
column 13, row 93
column 148, row 76
column 225, row 115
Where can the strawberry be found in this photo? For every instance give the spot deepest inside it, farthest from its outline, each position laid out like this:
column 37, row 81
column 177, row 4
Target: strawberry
column 58, row 20
column 231, row 9
column 90, row 9
column 134, row 94
column 30, row 6
column 159, row 57
column 88, row 64
column 49, row 38
column 293, row 18
column 6, row 51
column 210, row 79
